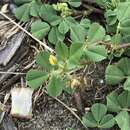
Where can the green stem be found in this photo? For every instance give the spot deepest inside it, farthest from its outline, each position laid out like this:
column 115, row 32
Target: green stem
column 117, row 32
column 118, row 27
column 126, row 109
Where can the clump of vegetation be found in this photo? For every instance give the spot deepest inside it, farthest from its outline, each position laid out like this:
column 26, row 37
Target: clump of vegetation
column 78, row 43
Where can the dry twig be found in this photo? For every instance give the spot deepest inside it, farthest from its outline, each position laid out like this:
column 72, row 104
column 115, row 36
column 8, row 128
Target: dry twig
column 24, row 30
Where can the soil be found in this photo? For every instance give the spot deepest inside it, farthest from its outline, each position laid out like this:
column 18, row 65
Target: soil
column 51, row 115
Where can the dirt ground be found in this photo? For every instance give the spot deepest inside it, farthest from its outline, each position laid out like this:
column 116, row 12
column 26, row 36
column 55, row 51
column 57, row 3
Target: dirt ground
column 51, row 115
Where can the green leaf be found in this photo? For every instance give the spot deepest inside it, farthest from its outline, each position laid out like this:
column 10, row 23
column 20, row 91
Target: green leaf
column 126, row 38
column 62, row 51
column 127, row 52
column 86, row 23
column 23, row 12
column 112, row 28
column 127, row 84
column 48, row 13
column 55, row 86
column 107, row 121
column 124, row 65
column 113, row 75
column 98, row 111
column 40, row 29
column 124, row 99
column 111, row 17
column 54, row 20
column 70, row 129
column 98, row 118
column 63, row 27
column 107, row 38
column 42, row 60
column 35, row 8
column 71, row 22
column 96, row 33
column 77, row 34
column 112, row 102
column 89, row 120
column 55, row 36
column 18, row 2
column 75, row 53
column 123, row 10
column 36, row 78
column 102, row 3
column 125, row 26
column 117, row 103
column 123, row 120
column 96, row 53
column 74, row 3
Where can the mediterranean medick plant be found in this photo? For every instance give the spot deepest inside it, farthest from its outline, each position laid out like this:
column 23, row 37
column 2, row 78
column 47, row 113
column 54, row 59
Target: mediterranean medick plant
column 60, row 69
column 78, row 43
column 53, row 21
column 117, row 16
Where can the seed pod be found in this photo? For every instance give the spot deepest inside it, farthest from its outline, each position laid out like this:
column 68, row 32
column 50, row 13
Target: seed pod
column 75, row 83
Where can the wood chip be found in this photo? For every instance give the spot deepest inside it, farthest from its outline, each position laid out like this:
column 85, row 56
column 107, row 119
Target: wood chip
column 11, row 48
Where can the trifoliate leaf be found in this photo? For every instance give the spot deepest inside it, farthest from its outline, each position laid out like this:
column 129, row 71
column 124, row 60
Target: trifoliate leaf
column 113, row 75
column 124, row 99
column 112, row 102
column 19, row 2
column 123, row 120
column 48, row 14
column 127, row 84
column 40, row 29
column 125, row 26
column 55, row 36
column 107, row 121
column 23, row 12
column 74, row 3
column 86, row 23
column 123, row 11
column 96, row 33
column 89, row 120
column 124, row 65
column 35, row 8
column 42, row 60
column 77, row 34
column 55, row 86
column 36, row 78
column 75, row 53
column 63, row 27
column 96, row 53
column 62, row 51
column 98, row 111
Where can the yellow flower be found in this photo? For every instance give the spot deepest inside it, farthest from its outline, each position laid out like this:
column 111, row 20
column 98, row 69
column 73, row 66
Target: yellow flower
column 52, row 60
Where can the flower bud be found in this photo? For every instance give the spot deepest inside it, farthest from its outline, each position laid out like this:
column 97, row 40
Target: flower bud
column 52, row 60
